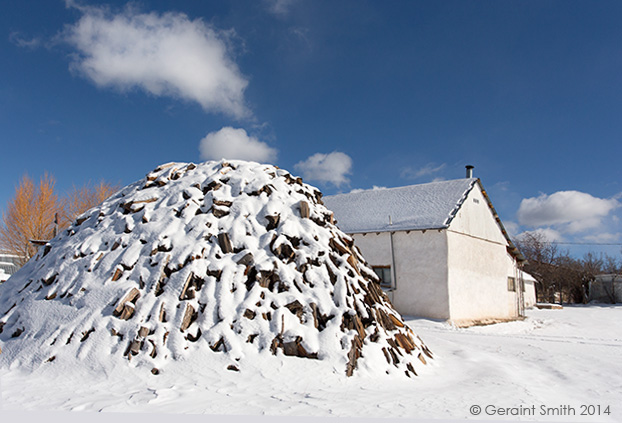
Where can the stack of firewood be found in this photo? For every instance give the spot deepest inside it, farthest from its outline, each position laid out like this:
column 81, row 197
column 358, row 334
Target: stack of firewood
column 222, row 255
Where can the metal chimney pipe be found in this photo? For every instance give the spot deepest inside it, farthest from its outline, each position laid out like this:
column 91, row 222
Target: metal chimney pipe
column 469, row 171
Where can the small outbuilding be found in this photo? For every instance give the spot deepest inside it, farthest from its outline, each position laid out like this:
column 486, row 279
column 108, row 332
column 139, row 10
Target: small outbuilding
column 606, row 288
column 439, row 249
column 529, row 283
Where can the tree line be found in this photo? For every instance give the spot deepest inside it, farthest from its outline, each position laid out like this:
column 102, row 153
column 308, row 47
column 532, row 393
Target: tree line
column 561, row 277
column 36, row 212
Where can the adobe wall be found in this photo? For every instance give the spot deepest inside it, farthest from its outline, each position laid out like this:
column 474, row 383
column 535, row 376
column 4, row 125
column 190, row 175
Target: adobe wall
column 421, row 268
column 479, row 265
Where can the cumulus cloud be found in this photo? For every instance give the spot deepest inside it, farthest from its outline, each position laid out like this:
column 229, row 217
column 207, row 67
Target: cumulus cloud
column 429, row 169
column 326, row 168
column 163, row 54
column 571, row 211
column 231, row 143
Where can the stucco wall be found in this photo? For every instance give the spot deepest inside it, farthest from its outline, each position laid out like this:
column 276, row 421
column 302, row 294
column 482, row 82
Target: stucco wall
column 421, row 268
column 515, row 300
column 530, row 293
column 476, row 219
column 479, row 264
column 478, row 279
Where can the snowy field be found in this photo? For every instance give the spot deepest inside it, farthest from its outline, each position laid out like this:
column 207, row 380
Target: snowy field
column 554, row 366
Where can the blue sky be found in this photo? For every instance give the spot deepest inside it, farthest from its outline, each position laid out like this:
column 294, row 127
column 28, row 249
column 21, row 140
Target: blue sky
column 348, row 94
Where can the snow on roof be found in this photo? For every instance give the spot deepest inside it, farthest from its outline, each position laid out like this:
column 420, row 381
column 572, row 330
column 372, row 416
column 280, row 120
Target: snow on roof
column 528, row 276
column 425, row 206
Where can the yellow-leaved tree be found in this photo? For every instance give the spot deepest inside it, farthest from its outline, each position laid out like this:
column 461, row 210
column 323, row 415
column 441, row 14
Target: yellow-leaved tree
column 81, row 199
column 29, row 216
column 36, row 212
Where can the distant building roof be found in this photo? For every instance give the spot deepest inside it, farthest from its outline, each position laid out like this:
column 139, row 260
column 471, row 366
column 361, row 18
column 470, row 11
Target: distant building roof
column 413, row 207
column 528, row 277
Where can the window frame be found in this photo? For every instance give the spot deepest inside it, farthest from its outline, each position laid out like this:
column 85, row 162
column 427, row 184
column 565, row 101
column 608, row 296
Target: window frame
column 511, row 284
column 386, row 279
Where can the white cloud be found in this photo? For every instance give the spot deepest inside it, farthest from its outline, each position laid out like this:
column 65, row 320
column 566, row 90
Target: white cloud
column 429, row 169
column 549, row 234
column 502, row 186
column 604, row 238
column 230, row 143
column 279, row 7
column 570, row 211
column 374, row 188
column 163, row 54
column 511, row 228
column 19, row 40
column 326, row 168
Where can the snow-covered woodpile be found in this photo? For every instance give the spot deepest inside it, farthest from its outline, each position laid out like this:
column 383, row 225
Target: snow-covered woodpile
column 232, row 258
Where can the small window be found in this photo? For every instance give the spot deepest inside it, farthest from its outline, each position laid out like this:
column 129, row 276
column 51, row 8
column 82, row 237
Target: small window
column 511, row 284
column 384, row 273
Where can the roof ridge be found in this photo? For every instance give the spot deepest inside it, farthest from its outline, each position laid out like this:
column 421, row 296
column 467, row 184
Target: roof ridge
column 454, row 212
column 359, row 191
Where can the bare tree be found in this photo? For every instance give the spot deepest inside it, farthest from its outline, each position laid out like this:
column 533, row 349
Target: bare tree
column 536, row 247
column 541, row 256
column 560, row 276
column 592, row 263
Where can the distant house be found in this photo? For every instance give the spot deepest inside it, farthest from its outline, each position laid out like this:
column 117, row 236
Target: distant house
column 9, row 264
column 606, row 289
column 439, row 249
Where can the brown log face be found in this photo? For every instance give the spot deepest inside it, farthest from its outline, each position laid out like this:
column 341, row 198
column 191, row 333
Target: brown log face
column 225, row 243
column 305, row 211
column 189, row 316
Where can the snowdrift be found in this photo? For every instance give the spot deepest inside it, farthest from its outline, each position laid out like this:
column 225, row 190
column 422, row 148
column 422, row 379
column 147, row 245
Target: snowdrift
column 223, row 258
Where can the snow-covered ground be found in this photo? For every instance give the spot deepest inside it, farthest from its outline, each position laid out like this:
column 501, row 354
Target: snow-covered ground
column 567, row 361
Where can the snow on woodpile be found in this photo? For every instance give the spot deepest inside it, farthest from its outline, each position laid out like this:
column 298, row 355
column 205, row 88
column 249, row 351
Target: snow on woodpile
column 225, row 258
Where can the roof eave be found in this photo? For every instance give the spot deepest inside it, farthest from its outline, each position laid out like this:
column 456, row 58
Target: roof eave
column 400, row 229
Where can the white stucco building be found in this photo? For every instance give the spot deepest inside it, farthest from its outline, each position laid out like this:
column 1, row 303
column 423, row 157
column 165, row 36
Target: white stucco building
column 9, row 264
column 440, row 249
column 529, row 283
